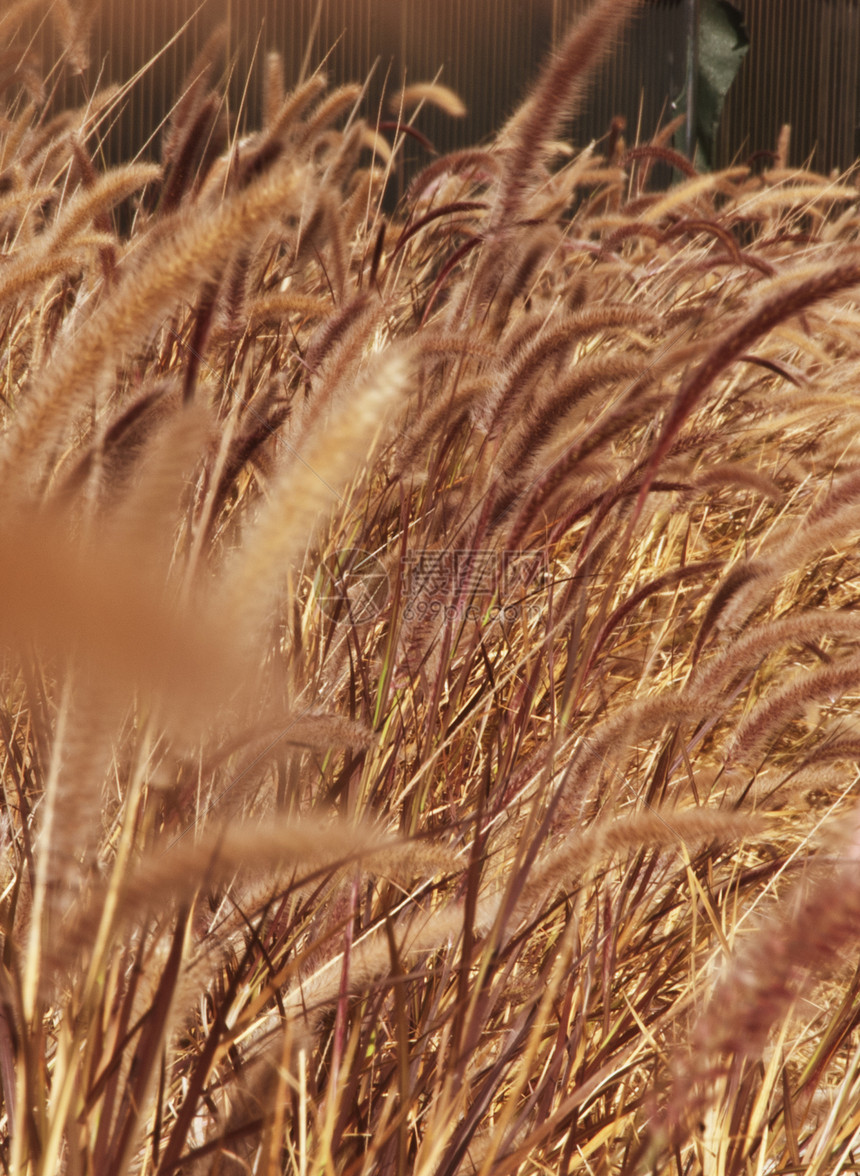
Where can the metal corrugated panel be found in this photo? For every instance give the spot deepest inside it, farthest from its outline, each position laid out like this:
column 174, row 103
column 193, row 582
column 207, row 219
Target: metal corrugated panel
column 803, row 69
column 803, row 66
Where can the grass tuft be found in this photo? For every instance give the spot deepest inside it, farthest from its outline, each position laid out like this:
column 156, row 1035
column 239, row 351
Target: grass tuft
column 430, row 643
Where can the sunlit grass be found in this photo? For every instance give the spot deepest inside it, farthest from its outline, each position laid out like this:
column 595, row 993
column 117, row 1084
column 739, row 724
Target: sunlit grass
column 430, row 650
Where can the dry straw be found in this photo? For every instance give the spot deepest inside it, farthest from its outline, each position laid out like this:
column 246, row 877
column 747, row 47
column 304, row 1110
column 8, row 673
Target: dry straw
column 430, row 641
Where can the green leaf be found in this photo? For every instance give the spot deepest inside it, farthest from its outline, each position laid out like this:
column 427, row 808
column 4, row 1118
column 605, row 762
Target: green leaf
column 722, row 46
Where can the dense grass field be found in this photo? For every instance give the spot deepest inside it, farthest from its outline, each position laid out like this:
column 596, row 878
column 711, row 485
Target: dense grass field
column 430, row 641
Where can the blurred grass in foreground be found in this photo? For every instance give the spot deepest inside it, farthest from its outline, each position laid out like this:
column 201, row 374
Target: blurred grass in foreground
column 430, row 647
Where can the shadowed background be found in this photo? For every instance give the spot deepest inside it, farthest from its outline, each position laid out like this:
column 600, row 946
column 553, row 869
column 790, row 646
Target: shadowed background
column 803, row 66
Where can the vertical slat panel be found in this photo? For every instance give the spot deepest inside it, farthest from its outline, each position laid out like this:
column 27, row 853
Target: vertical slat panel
column 803, row 66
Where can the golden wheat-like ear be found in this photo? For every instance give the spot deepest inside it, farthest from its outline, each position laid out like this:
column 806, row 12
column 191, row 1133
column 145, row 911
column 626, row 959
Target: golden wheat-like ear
column 15, row 135
column 381, row 149
column 691, row 191
column 72, row 22
column 790, row 294
column 196, row 88
column 785, row 702
column 27, row 271
column 295, row 103
column 71, row 812
column 311, row 728
column 174, row 873
column 559, row 86
column 172, row 269
column 783, row 146
column 533, row 354
column 314, row 478
column 343, row 331
column 527, row 443
column 285, row 852
column 620, row 730
column 714, row 677
column 542, row 420
column 805, row 198
column 736, row 473
column 568, row 863
column 337, row 103
column 273, row 88
column 830, row 523
column 471, row 167
column 271, row 308
column 16, row 208
column 344, row 166
column 442, row 97
column 202, row 141
column 97, row 198
column 117, row 449
column 335, row 238
column 804, row 938
column 430, row 423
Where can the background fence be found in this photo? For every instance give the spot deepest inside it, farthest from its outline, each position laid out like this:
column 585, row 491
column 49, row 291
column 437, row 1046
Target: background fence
column 803, row 66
